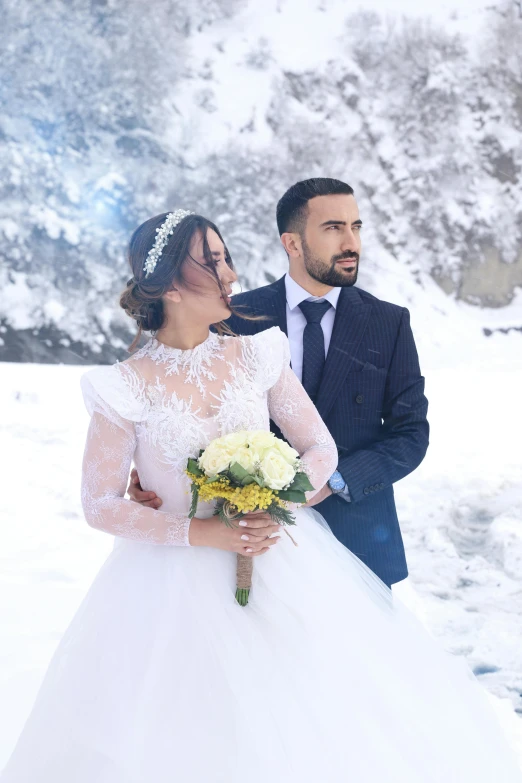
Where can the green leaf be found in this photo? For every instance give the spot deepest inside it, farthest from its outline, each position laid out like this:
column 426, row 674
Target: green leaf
column 248, row 480
column 193, row 467
column 292, row 495
column 194, row 489
column 281, row 516
column 211, row 479
column 301, row 482
column 237, row 472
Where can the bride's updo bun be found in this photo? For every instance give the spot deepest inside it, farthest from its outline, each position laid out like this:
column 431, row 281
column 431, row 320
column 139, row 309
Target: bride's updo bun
column 147, row 311
column 142, row 299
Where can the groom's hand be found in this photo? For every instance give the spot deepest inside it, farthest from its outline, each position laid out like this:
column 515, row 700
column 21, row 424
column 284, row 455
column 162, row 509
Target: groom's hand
column 137, row 494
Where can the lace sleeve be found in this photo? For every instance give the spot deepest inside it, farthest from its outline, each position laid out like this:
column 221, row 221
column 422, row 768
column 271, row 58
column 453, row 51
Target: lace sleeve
column 296, row 416
column 110, row 446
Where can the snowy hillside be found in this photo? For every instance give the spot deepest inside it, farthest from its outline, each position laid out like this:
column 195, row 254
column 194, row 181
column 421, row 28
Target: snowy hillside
column 113, row 111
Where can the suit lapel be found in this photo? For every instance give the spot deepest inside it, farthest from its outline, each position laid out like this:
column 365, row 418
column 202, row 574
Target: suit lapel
column 274, row 303
column 351, row 319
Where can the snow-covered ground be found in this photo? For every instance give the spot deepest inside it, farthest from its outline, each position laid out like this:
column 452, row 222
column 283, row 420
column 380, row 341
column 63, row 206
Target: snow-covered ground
column 461, row 511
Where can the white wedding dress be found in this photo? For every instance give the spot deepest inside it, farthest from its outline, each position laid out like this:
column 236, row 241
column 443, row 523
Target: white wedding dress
column 163, row 678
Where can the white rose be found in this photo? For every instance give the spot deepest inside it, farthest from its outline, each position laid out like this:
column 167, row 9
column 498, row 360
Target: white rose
column 286, row 451
column 234, row 440
column 215, row 458
column 246, row 457
column 276, row 471
column 261, row 441
column 263, row 438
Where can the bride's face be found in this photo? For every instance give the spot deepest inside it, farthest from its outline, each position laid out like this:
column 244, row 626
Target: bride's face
column 200, row 296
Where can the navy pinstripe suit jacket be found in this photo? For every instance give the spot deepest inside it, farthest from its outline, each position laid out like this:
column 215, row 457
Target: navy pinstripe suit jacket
column 372, row 399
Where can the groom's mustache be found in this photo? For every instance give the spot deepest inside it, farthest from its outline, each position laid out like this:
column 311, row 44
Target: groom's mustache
column 345, row 257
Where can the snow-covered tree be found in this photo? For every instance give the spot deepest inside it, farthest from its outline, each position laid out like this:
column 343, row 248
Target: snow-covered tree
column 114, row 110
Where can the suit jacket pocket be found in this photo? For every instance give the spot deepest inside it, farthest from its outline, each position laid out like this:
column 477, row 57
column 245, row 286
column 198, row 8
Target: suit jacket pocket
column 358, row 366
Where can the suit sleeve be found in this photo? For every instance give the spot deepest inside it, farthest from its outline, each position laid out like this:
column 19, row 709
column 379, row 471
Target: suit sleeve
column 405, row 432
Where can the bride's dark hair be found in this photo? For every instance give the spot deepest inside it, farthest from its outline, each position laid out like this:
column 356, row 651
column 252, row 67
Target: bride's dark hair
column 142, row 298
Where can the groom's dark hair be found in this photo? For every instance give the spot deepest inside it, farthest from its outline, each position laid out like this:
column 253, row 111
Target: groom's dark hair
column 292, row 210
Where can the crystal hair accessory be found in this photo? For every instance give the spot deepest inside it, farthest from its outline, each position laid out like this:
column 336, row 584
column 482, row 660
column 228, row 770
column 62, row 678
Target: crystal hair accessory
column 163, row 234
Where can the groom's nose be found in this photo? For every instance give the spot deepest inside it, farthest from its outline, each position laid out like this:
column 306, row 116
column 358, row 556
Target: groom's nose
column 350, row 242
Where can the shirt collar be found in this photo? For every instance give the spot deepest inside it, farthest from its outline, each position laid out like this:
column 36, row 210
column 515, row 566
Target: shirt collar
column 295, row 294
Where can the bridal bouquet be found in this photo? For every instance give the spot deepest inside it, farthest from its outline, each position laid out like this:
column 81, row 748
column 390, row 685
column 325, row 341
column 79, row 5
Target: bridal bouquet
column 248, row 471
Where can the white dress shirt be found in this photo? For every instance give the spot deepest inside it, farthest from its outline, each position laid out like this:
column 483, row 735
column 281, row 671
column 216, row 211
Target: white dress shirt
column 296, row 321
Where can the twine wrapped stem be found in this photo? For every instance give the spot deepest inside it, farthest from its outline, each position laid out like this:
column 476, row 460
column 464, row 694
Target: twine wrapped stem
column 245, row 565
column 245, row 569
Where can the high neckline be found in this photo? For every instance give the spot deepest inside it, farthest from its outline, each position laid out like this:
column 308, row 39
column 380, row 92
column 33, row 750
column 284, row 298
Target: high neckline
column 196, row 364
column 169, row 350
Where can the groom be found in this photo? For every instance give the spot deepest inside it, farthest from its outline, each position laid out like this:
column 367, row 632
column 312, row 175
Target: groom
column 356, row 358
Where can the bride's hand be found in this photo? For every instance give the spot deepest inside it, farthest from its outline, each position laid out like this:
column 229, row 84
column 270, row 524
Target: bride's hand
column 253, row 536
column 323, row 493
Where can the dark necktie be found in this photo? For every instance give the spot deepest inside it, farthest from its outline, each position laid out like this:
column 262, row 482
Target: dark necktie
column 313, row 345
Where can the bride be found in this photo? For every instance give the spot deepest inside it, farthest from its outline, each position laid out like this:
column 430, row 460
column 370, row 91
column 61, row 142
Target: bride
column 162, row 677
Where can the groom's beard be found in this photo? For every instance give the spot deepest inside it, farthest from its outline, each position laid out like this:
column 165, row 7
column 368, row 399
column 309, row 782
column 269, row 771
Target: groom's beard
column 331, row 274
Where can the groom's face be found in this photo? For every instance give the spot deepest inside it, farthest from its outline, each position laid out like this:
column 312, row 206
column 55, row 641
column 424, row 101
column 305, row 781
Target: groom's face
column 331, row 240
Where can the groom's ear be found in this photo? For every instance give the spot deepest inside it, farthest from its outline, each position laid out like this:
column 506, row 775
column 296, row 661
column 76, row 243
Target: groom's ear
column 292, row 244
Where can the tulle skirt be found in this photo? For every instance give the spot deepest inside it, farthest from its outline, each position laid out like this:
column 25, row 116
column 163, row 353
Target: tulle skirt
column 323, row 677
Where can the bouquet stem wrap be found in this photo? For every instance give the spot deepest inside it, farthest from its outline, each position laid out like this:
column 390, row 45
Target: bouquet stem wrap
column 245, row 570
column 245, row 565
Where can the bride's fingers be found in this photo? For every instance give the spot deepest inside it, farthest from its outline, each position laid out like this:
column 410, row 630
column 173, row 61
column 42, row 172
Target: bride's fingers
column 262, row 534
column 259, row 541
column 256, row 554
column 260, row 544
column 264, row 520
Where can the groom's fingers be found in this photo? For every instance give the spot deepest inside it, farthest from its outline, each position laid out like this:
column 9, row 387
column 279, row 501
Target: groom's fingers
column 149, row 499
column 140, row 496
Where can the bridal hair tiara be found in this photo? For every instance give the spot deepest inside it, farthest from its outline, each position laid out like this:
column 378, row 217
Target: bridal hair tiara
column 163, row 234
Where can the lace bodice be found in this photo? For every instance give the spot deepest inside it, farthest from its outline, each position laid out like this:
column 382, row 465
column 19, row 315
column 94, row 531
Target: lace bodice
column 163, row 405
